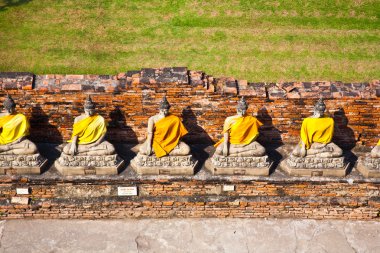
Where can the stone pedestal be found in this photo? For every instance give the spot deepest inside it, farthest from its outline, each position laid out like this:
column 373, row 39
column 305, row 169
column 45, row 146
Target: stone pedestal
column 167, row 165
column 369, row 167
column 229, row 165
column 21, row 164
column 314, row 166
column 89, row 165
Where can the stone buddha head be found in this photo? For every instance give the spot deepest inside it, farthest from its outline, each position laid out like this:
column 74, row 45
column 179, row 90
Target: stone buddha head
column 319, row 108
column 89, row 106
column 242, row 107
column 164, row 106
column 9, row 104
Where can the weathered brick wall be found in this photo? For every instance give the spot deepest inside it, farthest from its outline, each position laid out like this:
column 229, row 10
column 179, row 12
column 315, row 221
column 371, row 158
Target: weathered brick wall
column 176, row 197
column 127, row 101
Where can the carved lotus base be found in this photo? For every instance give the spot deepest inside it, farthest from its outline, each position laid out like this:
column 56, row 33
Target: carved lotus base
column 228, row 165
column 313, row 166
column 89, row 165
column 167, row 165
column 369, row 167
column 21, row 164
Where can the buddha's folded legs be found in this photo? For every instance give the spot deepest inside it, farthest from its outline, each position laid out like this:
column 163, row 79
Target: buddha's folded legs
column 104, row 148
column 320, row 150
column 219, row 149
column 66, row 149
column 325, row 150
column 179, row 150
column 25, row 147
column 143, row 148
column 252, row 149
column 298, row 150
column 243, row 150
column 375, row 153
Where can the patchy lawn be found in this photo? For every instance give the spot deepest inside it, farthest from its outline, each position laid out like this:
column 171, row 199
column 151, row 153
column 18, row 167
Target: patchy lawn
column 254, row 40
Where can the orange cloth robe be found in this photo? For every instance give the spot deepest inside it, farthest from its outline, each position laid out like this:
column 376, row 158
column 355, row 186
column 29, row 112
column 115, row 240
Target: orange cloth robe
column 167, row 134
column 13, row 127
column 242, row 130
column 319, row 130
column 89, row 129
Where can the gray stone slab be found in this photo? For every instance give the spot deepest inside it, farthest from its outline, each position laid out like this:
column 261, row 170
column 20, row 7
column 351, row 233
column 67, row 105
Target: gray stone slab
column 29, row 165
column 189, row 235
column 168, row 165
column 80, row 170
column 367, row 168
column 253, row 171
column 314, row 172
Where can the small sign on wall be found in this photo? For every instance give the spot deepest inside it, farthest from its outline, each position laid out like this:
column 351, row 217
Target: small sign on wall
column 22, row 191
column 20, row 200
column 127, row 191
column 228, row 188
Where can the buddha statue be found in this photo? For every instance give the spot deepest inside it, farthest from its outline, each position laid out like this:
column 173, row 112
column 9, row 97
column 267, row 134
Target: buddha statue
column 164, row 135
column 369, row 164
column 87, row 152
column 88, row 137
column 18, row 155
column 316, row 135
column 316, row 154
column 375, row 153
column 14, row 129
column 171, row 155
column 240, row 133
column 238, row 152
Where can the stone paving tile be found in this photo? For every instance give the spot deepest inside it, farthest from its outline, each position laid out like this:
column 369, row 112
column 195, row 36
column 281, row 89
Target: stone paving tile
column 189, row 235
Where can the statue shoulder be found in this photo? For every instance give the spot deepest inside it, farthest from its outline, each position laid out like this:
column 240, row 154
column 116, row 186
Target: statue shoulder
column 80, row 117
column 231, row 118
column 21, row 115
column 153, row 119
column 101, row 117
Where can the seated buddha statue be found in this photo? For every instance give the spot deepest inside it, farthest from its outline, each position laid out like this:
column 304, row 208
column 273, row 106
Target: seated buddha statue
column 375, row 153
column 14, row 128
column 316, row 135
column 240, row 134
column 88, row 137
column 165, row 131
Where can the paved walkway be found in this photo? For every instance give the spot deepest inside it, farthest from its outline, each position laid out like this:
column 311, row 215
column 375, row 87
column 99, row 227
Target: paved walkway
column 189, row 235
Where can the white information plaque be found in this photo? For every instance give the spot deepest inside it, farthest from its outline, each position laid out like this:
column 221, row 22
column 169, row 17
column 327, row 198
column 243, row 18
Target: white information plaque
column 22, row 191
column 20, row 200
column 228, row 188
column 127, row 191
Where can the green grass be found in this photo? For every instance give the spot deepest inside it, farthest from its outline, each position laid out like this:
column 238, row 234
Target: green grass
column 261, row 40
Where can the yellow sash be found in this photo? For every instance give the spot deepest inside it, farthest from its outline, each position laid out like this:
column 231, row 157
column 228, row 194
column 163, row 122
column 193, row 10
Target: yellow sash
column 13, row 127
column 243, row 130
column 89, row 129
column 319, row 130
column 167, row 134
column 378, row 144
